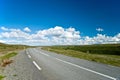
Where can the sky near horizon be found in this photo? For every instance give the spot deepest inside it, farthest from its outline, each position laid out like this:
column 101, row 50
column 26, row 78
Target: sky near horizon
column 59, row 22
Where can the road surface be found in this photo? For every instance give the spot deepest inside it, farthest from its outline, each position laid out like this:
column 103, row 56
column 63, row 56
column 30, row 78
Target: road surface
column 52, row 66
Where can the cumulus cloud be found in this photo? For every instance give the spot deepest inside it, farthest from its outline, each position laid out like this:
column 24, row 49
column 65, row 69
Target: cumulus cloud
column 15, row 33
column 57, row 35
column 54, row 36
column 4, row 28
column 102, row 39
column 99, row 29
column 26, row 29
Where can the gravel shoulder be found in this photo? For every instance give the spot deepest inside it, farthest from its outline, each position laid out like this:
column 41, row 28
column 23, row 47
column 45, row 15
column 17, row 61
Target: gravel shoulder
column 22, row 68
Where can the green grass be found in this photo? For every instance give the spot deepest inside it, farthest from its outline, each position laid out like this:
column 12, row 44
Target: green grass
column 1, row 77
column 107, row 54
column 5, row 48
column 108, row 49
column 9, row 55
column 5, row 60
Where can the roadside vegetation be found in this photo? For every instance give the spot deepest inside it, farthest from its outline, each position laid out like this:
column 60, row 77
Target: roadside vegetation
column 6, row 53
column 5, row 48
column 104, row 53
column 1, row 77
column 5, row 60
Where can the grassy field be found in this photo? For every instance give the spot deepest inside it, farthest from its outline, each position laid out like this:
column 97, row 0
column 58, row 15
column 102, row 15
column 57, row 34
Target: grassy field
column 105, row 53
column 5, row 48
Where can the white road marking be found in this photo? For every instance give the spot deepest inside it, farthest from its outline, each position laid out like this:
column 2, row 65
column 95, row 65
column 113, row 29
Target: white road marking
column 37, row 65
column 29, row 56
column 87, row 69
column 44, row 54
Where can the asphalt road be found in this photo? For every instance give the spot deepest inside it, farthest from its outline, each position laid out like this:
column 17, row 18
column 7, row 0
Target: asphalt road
column 52, row 66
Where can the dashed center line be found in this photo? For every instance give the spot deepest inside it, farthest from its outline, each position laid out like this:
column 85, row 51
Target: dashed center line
column 29, row 56
column 37, row 65
column 87, row 69
column 35, row 62
column 45, row 54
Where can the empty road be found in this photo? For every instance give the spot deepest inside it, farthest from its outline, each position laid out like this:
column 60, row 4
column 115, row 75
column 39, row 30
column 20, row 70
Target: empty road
column 51, row 66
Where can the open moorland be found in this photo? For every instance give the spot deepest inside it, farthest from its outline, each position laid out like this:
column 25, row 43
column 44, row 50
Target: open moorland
column 102, row 53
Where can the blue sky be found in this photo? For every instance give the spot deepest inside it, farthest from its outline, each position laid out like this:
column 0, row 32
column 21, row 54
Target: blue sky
column 84, row 16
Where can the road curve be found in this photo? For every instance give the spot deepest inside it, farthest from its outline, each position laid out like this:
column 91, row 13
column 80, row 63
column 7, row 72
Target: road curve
column 59, row 67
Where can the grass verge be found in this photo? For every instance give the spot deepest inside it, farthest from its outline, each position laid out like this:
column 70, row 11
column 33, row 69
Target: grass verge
column 5, row 60
column 101, row 58
column 1, row 77
column 9, row 55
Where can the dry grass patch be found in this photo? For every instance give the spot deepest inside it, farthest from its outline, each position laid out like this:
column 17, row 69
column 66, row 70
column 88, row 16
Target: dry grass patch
column 5, row 60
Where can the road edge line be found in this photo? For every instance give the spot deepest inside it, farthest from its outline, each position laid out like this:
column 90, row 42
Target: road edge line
column 87, row 69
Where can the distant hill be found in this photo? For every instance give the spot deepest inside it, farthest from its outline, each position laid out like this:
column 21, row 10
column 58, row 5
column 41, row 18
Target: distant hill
column 113, row 49
column 7, row 47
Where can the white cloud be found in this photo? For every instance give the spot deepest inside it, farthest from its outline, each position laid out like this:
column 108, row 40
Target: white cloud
column 56, row 31
column 15, row 33
column 102, row 39
column 4, row 28
column 99, row 29
column 26, row 29
column 2, row 41
column 54, row 36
